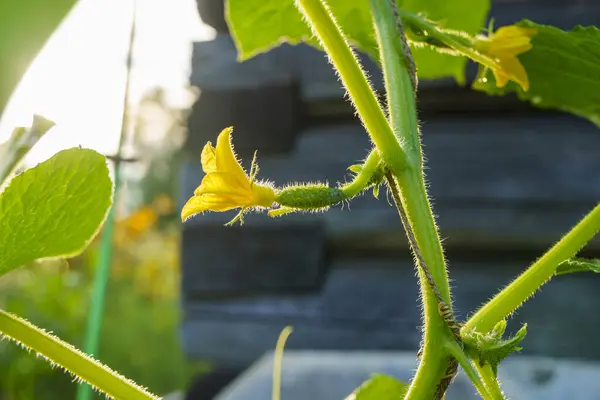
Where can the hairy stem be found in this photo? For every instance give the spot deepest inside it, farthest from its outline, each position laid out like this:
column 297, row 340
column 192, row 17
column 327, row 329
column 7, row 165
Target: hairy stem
column 71, row 359
column 512, row 296
column 458, row 353
column 403, row 117
column 413, row 200
column 400, row 77
column 363, row 178
column 354, row 80
column 427, row 32
column 491, row 381
column 434, row 360
column 407, row 167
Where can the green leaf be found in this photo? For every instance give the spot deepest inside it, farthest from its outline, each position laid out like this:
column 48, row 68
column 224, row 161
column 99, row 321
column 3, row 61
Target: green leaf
column 280, row 21
column 53, row 209
column 491, row 349
column 563, row 70
column 380, row 387
column 376, row 191
column 578, row 265
column 356, row 168
column 25, row 26
column 461, row 15
column 260, row 25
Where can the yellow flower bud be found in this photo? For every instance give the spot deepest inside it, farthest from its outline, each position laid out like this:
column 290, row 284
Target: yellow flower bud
column 504, row 46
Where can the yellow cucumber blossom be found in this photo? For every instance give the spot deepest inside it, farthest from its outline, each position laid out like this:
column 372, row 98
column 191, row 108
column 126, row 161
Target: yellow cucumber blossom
column 504, row 46
column 226, row 186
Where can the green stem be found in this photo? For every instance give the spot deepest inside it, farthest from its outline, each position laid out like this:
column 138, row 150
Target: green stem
column 399, row 74
column 278, row 361
column 455, row 350
column 68, row 357
column 403, row 117
column 362, row 180
column 461, row 44
column 315, row 197
column 434, row 360
column 354, row 80
column 491, row 381
column 512, row 296
column 413, row 198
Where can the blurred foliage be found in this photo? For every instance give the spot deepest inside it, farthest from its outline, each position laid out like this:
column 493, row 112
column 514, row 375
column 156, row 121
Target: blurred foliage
column 140, row 330
column 140, row 335
column 157, row 141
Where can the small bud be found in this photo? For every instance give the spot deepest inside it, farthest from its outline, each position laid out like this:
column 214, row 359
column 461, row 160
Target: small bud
column 499, row 329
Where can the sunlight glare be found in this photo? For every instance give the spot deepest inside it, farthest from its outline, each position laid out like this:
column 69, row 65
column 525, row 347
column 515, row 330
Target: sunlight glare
column 78, row 79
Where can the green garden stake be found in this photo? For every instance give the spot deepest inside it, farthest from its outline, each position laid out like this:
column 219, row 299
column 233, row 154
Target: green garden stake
column 94, row 322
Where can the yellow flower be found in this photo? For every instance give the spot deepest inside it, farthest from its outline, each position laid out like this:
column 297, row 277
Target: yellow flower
column 504, row 46
column 226, row 186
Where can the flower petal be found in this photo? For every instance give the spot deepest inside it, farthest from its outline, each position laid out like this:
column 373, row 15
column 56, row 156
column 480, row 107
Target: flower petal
column 515, row 71
column 511, row 40
column 500, row 77
column 209, row 158
column 223, row 183
column 226, row 161
column 208, row 202
column 513, row 31
column 193, row 206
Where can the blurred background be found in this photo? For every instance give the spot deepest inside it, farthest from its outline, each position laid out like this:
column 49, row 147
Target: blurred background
column 78, row 81
column 189, row 307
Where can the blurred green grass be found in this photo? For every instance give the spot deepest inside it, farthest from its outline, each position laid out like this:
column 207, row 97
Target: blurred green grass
column 140, row 331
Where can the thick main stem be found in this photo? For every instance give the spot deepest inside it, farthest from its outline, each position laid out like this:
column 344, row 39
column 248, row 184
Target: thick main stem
column 512, row 296
column 412, row 198
column 407, row 168
column 434, row 359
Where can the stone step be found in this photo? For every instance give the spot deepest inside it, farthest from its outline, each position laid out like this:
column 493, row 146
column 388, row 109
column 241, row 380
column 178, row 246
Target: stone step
column 330, row 375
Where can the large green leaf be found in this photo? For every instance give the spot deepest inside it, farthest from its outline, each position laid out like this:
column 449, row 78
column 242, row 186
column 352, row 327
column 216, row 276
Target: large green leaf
column 54, row 209
column 25, row 26
column 380, row 387
column 259, row 25
column 563, row 70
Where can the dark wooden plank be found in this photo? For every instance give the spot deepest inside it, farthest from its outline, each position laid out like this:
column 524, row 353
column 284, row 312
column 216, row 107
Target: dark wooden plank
column 373, row 304
column 250, row 260
column 564, row 14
